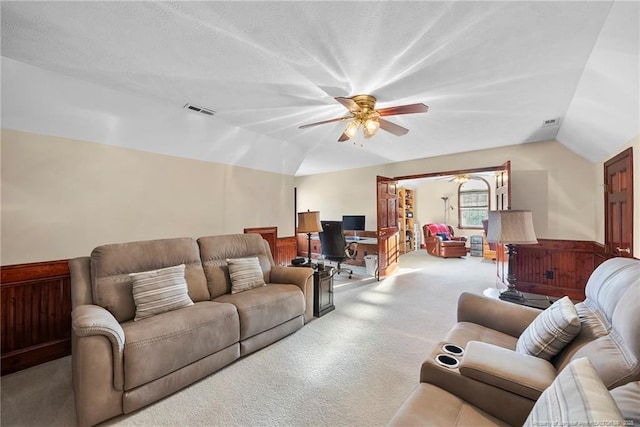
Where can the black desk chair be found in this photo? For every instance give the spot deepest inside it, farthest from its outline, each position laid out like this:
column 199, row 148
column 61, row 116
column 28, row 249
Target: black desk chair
column 334, row 245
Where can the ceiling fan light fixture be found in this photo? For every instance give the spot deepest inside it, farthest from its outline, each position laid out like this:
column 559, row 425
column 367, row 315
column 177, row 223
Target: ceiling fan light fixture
column 352, row 128
column 370, row 127
column 462, row 178
column 363, row 112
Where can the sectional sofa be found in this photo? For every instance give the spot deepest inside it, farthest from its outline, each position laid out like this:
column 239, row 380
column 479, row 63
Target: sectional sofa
column 152, row 317
column 499, row 358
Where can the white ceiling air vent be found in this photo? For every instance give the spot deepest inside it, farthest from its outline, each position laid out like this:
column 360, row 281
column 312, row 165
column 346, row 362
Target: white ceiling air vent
column 551, row 122
column 202, row 110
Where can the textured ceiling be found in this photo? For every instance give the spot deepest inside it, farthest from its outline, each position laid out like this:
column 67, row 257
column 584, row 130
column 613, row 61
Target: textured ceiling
column 491, row 73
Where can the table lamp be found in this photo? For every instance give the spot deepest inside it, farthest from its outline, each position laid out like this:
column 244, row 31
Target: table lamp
column 309, row 222
column 511, row 228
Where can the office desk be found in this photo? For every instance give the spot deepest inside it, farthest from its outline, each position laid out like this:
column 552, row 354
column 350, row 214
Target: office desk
column 362, row 240
column 366, row 246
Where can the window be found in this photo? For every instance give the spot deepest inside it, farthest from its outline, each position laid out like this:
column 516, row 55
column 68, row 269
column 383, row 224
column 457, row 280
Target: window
column 473, row 203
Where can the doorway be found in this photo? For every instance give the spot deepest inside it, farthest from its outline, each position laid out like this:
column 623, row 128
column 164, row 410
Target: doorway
column 387, row 226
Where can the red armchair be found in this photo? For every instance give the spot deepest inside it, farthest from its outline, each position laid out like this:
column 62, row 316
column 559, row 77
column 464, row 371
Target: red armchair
column 440, row 241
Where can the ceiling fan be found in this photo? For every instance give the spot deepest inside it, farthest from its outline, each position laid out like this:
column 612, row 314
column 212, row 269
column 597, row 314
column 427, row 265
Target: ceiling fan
column 363, row 113
column 458, row 178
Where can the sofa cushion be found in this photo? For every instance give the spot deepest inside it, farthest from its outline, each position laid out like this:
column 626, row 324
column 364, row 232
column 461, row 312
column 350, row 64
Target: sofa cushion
column 551, row 331
column 215, row 250
column 159, row 291
column 576, row 397
column 429, row 405
column 161, row 344
column 245, row 274
column 263, row 308
column 627, row 398
column 452, row 243
column 111, row 265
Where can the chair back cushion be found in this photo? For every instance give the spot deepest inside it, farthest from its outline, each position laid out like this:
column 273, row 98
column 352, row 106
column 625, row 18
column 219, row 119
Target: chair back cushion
column 215, row 250
column 435, row 229
column 333, row 241
column 111, row 264
column 610, row 318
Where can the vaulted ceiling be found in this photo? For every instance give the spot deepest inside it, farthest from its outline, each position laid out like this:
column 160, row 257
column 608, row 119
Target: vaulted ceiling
column 492, row 74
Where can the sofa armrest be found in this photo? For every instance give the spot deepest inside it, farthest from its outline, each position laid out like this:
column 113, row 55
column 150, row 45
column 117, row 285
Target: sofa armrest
column 92, row 320
column 301, row 277
column 506, row 317
column 509, row 407
column 95, row 320
column 525, row 375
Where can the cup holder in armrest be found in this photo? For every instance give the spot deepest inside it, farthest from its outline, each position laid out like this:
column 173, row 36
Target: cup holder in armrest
column 456, row 350
column 447, row 361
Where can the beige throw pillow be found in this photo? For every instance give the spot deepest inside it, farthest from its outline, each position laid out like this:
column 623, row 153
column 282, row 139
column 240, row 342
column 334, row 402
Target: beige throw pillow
column 245, row 274
column 551, row 331
column 577, row 397
column 159, row 291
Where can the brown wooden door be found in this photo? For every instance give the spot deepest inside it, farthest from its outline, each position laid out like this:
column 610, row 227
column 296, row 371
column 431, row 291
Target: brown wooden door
column 388, row 248
column 618, row 202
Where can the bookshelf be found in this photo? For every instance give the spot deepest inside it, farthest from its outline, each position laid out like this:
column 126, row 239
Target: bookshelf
column 406, row 218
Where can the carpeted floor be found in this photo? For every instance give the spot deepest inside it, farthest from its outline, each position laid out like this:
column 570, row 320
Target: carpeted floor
column 352, row 367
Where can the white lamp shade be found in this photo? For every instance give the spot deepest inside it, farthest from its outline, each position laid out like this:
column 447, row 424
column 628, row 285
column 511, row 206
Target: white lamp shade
column 309, row 222
column 514, row 227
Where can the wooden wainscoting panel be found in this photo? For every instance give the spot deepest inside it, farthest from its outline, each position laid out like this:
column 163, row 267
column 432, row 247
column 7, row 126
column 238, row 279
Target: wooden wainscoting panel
column 283, row 249
column 286, row 250
column 554, row 267
column 35, row 314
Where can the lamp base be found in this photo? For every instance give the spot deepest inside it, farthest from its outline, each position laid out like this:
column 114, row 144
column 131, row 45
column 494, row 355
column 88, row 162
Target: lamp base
column 512, row 295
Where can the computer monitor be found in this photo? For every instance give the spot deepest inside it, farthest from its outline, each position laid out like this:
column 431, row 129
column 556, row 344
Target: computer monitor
column 353, row 223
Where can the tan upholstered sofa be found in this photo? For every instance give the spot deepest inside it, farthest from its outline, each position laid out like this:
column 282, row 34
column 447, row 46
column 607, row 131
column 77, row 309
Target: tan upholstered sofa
column 120, row 364
column 491, row 378
column 587, row 403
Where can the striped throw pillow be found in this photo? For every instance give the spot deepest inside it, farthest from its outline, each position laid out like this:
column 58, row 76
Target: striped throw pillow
column 551, row 331
column 577, row 397
column 159, row 291
column 245, row 274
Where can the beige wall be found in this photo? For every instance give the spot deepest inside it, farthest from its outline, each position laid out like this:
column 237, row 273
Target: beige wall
column 62, row 197
column 598, row 188
column 556, row 184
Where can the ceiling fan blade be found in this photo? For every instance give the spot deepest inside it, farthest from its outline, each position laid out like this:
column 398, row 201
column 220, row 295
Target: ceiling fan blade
column 339, row 119
column 403, row 109
column 344, row 137
column 395, row 129
column 348, row 102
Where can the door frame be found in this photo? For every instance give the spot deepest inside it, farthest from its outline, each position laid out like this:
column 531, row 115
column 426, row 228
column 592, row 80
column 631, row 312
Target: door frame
column 506, row 166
